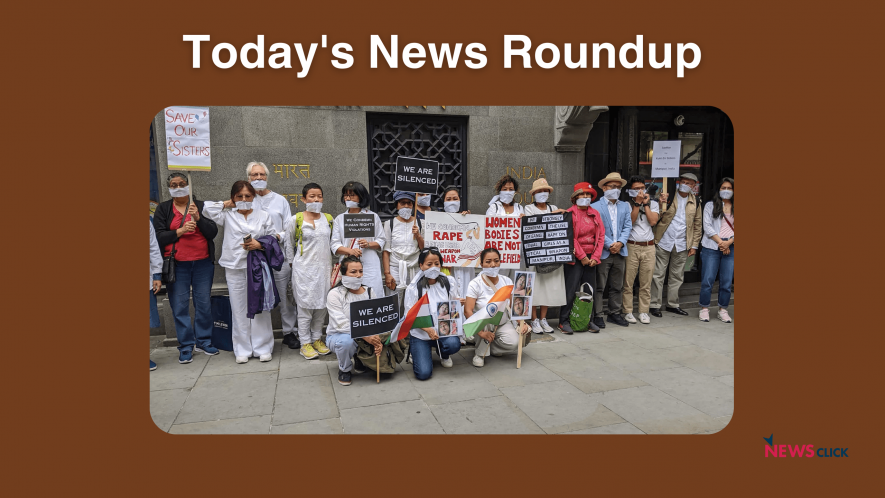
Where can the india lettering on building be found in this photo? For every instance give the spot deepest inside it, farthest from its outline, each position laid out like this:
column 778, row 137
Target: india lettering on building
column 525, row 173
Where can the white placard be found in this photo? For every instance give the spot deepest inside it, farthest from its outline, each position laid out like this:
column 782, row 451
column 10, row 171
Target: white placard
column 665, row 158
column 187, row 138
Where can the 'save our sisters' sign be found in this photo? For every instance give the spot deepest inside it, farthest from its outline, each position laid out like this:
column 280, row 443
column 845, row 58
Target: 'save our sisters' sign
column 187, row 138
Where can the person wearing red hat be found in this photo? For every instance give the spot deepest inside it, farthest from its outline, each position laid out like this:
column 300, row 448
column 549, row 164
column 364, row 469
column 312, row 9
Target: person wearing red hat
column 589, row 239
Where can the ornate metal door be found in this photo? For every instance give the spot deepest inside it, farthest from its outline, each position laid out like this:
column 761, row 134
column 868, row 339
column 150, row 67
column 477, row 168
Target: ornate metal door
column 440, row 138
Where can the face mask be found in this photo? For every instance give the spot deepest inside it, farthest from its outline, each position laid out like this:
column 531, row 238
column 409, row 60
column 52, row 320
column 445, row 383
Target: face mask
column 726, row 194
column 452, row 206
column 314, row 207
column 424, row 201
column 244, row 206
column 432, row 272
column 542, row 196
column 351, row 204
column 633, row 193
column 352, row 283
column 180, row 192
column 583, row 201
column 405, row 213
column 259, row 184
column 506, row 196
column 612, row 194
column 491, row 272
column 684, row 188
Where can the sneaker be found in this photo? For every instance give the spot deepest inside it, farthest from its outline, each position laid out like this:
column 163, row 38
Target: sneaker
column 617, row 319
column 629, row 318
column 599, row 321
column 308, row 352
column 723, row 315
column 292, row 341
column 643, row 318
column 344, row 378
column 478, row 361
column 265, row 357
column 320, row 347
column 447, row 362
column 566, row 328
column 185, row 356
column 463, row 341
column 358, row 366
column 209, row 350
column 242, row 359
column 153, row 365
column 704, row 315
column 536, row 326
column 546, row 326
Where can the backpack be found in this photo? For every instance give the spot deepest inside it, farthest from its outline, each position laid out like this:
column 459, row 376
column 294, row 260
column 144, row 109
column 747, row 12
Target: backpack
column 299, row 221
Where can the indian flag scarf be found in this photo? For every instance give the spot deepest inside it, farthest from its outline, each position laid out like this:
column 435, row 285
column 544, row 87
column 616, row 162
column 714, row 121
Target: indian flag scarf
column 490, row 314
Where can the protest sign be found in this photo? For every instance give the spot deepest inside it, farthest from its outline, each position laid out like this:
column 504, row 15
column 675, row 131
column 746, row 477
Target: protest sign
column 187, row 138
column 548, row 238
column 665, row 158
column 503, row 233
column 521, row 305
column 449, row 318
column 359, row 226
column 373, row 316
column 459, row 238
column 416, row 175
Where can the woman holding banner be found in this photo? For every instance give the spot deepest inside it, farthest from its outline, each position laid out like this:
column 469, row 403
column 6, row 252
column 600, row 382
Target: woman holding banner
column 462, row 275
column 505, row 336
column 504, row 204
column 403, row 243
column 550, row 281
column 356, row 198
column 436, row 287
column 589, row 238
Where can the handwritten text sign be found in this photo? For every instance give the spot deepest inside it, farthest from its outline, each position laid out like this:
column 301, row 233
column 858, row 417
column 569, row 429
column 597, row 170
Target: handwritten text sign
column 665, row 158
column 187, row 138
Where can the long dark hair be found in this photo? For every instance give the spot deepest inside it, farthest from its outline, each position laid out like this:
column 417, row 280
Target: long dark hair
column 442, row 279
column 717, row 201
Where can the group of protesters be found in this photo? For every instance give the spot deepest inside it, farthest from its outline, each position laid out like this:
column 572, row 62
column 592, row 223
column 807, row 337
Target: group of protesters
column 306, row 266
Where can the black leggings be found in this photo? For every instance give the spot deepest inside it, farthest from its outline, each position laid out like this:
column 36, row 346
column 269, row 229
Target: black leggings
column 575, row 276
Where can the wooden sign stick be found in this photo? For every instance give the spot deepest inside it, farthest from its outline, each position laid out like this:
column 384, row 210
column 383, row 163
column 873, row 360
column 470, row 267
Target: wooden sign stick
column 664, row 204
column 519, row 354
column 377, row 369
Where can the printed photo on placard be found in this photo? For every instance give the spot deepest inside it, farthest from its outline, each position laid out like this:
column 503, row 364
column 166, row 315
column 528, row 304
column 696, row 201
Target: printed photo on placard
column 445, row 327
column 444, row 311
column 449, row 317
column 522, row 283
column 521, row 308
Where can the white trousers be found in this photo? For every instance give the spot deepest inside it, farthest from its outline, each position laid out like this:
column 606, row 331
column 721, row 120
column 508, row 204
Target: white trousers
column 506, row 341
column 288, row 312
column 251, row 337
column 310, row 325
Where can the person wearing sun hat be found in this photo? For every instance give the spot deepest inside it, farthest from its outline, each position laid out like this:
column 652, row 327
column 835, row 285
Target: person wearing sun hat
column 615, row 216
column 549, row 289
column 589, row 239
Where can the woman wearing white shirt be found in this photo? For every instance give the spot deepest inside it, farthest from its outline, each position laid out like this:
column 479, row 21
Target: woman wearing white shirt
column 504, row 204
column 404, row 241
column 503, row 338
column 717, row 250
column 438, row 288
column 251, row 337
column 463, row 275
column 355, row 196
column 549, row 287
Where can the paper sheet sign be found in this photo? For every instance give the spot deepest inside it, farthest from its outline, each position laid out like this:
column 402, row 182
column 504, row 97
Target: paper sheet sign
column 359, row 226
column 187, row 138
column 548, row 238
column 665, row 158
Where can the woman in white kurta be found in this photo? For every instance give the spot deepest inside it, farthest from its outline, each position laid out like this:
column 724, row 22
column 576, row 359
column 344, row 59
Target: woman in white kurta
column 251, row 337
column 462, row 275
column 404, row 240
column 549, row 289
column 309, row 251
column 504, row 204
column 355, row 196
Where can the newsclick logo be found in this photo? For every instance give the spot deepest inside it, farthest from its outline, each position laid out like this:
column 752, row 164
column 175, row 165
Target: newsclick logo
column 799, row 451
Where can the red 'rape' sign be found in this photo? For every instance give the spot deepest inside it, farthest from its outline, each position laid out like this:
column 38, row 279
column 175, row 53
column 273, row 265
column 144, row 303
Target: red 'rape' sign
column 187, row 138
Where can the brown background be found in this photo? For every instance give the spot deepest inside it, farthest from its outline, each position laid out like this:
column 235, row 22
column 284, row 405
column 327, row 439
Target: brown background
column 800, row 82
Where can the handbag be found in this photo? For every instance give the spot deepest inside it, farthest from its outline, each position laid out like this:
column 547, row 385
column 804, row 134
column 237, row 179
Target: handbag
column 582, row 309
column 222, row 323
column 169, row 267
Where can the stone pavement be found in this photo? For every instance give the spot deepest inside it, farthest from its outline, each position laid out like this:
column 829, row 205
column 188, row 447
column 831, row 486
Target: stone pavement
column 674, row 376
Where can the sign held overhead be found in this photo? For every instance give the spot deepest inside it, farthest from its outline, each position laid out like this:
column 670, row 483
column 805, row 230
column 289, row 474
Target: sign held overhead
column 416, row 175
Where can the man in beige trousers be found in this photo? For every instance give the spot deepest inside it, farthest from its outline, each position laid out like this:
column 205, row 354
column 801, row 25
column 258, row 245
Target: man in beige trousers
column 640, row 249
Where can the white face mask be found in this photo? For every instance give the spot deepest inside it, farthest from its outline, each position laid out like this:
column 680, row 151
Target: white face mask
column 684, row 188
column 633, row 193
column 726, row 194
column 424, row 200
column 352, row 283
column 259, row 184
column 432, row 272
column 542, row 196
column 405, row 213
column 506, row 196
column 180, row 192
column 244, row 205
column 612, row 194
column 314, row 207
column 351, row 204
column 452, row 206
column 491, row 272
column 583, row 201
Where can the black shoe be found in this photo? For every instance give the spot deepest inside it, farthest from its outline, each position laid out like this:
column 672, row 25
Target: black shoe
column 292, row 341
column 343, row 378
column 678, row 311
column 566, row 329
column 599, row 322
column 358, row 367
column 617, row 319
column 655, row 312
column 592, row 328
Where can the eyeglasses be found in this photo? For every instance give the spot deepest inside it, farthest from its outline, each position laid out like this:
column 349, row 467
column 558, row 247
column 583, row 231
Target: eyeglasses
column 178, row 185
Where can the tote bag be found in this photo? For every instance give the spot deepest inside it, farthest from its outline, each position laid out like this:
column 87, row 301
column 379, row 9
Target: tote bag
column 222, row 323
column 582, row 309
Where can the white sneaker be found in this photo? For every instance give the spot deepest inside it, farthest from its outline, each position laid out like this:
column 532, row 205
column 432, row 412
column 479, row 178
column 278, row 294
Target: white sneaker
column 265, row 357
column 704, row 315
column 643, row 318
column 723, row 315
column 536, row 326
column 242, row 359
column 546, row 326
column 629, row 318
column 447, row 363
column 478, row 361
